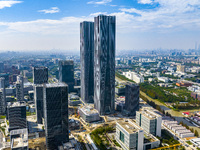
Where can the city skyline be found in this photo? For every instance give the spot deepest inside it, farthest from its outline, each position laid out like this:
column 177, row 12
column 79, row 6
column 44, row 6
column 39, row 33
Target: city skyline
column 41, row 25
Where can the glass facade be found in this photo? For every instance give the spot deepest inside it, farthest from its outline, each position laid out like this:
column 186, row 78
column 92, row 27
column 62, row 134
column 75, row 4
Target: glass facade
column 104, row 64
column 121, row 136
column 87, row 61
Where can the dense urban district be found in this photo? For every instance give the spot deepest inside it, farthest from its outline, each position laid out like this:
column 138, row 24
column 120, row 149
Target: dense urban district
column 100, row 98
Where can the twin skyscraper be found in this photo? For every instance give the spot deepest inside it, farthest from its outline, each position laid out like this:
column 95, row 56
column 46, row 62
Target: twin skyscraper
column 97, row 51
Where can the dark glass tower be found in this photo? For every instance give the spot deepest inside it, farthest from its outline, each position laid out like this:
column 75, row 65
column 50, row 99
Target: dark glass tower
column 38, row 96
column 104, row 64
column 56, row 114
column 17, row 116
column 132, row 93
column 2, row 96
column 66, row 73
column 87, row 61
column 40, row 75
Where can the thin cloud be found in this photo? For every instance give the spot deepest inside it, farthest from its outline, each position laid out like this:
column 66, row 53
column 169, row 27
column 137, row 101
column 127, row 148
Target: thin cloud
column 52, row 10
column 4, row 4
column 145, row 1
column 102, row 2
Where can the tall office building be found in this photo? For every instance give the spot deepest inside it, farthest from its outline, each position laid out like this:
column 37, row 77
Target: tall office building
column 17, row 116
column 132, row 93
column 19, row 91
column 56, row 114
column 2, row 96
column 38, row 97
column 87, row 61
column 66, row 73
column 104, row 64
column 20, row 88
column 40, row 75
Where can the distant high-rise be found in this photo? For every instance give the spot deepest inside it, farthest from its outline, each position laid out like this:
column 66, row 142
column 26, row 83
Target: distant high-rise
column 40, row 75
column 6, row 76
column 56, row 114
column 2, row 96
column 17, row 116
column 38, row 97
column 180, row 68
column 132, row 93
column 87, row 61
column 1, row 67
column 66, row 73
column 20, row 88
column 104, row 64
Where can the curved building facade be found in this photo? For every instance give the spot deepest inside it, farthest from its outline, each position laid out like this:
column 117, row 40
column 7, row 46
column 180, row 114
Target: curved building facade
column 104, row 63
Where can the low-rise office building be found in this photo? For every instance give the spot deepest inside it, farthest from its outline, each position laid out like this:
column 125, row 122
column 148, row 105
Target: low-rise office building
column 19, row 139
column 88, row 114
column 149, row 121
column 129, row 135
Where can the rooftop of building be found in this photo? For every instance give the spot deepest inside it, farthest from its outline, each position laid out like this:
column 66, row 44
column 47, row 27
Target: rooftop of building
column 88, row 110
column 59, row 84
column 41, row 67
column 149, row 113
column 16, row 104
column 21, row 140
column 129, row 126
column 66, row 62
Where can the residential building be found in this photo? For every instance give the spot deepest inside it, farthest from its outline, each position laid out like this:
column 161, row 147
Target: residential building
column 149, row 121
column 66, row 73
column 17, row 116
column 129, row 135
column 40, row 75
column 87, row 61
column 163, row 79
column 56, row 114
column 134, row 76
column 132, row 93
column 104, row 64
column 180, row 68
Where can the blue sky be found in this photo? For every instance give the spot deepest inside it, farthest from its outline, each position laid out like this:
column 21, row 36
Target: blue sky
column 141, row 24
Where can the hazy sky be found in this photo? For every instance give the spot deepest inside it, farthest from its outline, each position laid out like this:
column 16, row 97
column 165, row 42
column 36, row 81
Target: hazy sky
column 141, row 24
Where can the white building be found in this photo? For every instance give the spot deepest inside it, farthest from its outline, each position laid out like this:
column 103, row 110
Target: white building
column 180, row 68
column 129, row 135
column 134, row 76
column 163, row 79
column 149, row 121
column 88, row 113
column 181, row 131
